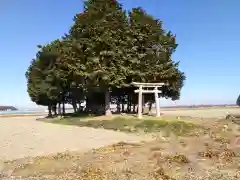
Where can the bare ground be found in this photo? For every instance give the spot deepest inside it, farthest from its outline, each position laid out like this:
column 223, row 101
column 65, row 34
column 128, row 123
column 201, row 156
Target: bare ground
column 24, row 136
column 219, row 112
column 212, row 154
column 209, row 154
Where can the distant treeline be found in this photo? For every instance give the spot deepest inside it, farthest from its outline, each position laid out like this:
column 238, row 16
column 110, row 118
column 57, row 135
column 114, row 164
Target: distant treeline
column 6, row 108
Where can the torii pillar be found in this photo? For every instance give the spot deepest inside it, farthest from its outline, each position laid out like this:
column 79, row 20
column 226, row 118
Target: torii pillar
column 140, row 91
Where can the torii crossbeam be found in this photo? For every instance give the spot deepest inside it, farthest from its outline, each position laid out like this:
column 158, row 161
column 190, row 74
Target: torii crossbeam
column 140, row 91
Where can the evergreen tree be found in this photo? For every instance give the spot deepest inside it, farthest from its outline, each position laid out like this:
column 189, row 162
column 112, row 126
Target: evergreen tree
column 150, row 51
column 238, row 101
column 44, row 84
column 100, row 30
column 104, row 52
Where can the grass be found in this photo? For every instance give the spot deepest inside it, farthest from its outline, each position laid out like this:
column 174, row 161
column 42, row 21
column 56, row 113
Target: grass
column 133, row 125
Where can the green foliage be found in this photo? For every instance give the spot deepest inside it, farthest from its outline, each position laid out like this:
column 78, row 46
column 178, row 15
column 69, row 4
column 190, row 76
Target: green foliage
column 151, row 48
column 103, row 24
column 105, row 50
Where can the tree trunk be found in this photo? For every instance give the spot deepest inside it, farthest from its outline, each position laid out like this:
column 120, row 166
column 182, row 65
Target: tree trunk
column 150, row 106
column 128, row 104
column 118, row 104
column 88, row 105
column 59, row 109
column 122, row 106
column 107, row 103
column 63, row 108
column 54, row 108
column 74, row 105
column 49, row 111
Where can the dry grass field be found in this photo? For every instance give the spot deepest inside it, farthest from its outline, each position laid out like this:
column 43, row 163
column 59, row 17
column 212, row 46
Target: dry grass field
column 212, row 112
column 178, row 150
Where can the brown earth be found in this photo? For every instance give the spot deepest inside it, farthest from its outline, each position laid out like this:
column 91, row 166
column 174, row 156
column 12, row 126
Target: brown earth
column 211, row 154
column 24, row 136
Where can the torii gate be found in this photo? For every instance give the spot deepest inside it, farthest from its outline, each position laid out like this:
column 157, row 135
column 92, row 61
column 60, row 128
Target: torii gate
column 140, row 91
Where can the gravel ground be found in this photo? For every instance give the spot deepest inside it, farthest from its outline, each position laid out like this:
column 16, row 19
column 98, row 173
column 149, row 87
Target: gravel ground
column 21, row 137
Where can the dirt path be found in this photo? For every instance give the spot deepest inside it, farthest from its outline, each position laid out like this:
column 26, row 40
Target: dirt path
column 21, row 137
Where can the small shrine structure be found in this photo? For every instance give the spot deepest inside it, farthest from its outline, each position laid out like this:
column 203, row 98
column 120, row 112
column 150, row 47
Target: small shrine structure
column 151, row 88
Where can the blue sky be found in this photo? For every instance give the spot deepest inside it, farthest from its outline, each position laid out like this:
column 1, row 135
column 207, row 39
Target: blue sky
column 207, row 33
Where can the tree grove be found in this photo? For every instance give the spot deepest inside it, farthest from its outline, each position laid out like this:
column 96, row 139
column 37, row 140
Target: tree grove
column 95, row 62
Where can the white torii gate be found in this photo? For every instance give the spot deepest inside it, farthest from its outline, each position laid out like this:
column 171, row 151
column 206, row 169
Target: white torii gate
column 140, row 91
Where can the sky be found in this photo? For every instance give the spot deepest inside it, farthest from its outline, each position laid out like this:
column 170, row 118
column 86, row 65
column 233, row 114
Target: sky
column 207, row 33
